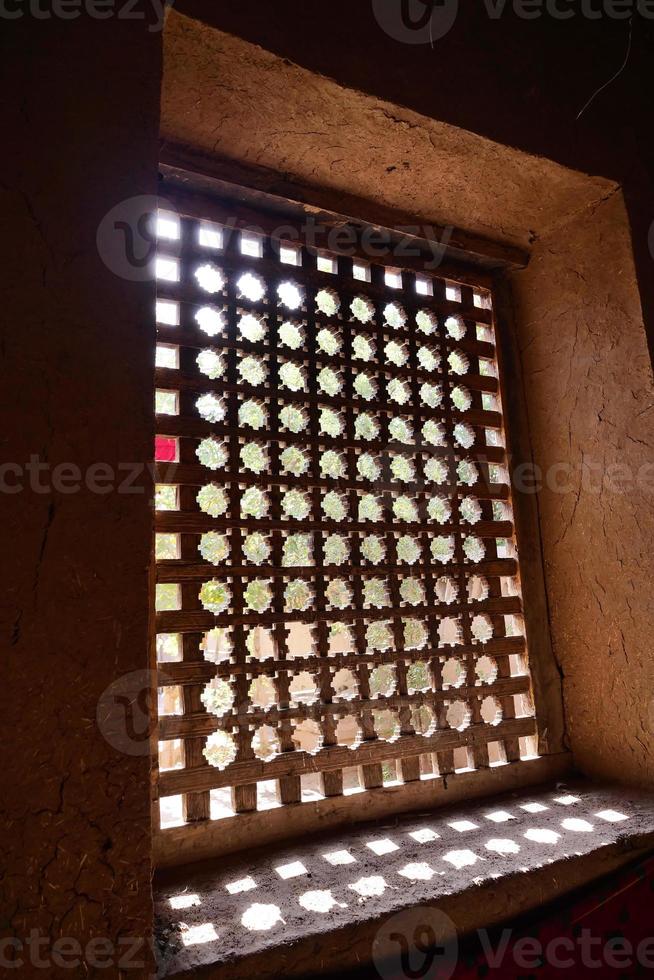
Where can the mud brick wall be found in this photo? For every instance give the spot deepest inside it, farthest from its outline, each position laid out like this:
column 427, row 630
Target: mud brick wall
column 80, row 124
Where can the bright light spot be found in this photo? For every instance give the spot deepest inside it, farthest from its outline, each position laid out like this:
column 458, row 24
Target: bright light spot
column 339, row 857
column 167, row 225
column 167, row 356
column 393, row 278
column 367, row 887
column 502, row 845
column 461, row 859
column 292, row 870
column 259, row 918
column 242, row 885
column 184, row 901
column 612, row 816
column 542, row 836
column 575, row 823
column 424, row 835
column 209, row 278
column 533, row 807
column 251, row 245
column 209, row 320
column 567, row 800
column 384, row 846
column 166, row 268
column 417, row 871
column 210, row 236
column 167, row 311
column 171, row 808
column 325, row 263
column 424, row 286
column 289, row 295
column 463, row 825
column 290, row 254
column 195, row 935
column 361, row 271
column 251, row 287
column 352, row 790
column 499, row 816
column 319, row 901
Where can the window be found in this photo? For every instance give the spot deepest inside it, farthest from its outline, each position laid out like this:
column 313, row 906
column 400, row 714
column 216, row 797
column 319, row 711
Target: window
column 338, row 608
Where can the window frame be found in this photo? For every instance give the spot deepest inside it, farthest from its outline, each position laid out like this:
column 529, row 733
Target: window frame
column 252, row 210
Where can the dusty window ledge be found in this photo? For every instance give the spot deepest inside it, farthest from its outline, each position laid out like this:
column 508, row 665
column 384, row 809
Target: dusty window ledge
column 295, row 909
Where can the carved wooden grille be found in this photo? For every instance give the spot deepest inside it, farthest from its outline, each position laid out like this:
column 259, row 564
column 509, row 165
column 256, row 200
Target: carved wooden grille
column 337, row 584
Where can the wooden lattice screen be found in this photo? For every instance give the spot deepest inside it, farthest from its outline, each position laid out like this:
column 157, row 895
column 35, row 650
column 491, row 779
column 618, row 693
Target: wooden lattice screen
column 338, row 602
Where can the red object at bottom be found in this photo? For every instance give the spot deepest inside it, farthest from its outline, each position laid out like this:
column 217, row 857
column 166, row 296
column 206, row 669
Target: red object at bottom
column 607, row 931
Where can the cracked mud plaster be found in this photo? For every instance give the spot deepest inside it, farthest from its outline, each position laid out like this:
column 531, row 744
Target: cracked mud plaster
column 588, row 385
column 77, row 387
column 297, row 133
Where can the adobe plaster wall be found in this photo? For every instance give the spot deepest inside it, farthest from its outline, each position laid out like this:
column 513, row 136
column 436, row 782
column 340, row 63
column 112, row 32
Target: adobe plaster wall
column 588, row 381
column 77, row 387
column 287, row 130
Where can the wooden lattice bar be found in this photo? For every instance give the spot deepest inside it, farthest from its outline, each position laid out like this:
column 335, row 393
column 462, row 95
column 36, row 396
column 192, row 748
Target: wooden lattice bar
column 338, row 602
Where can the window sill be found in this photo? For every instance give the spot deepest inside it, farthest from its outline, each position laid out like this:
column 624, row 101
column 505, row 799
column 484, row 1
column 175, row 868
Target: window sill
column 210, row 839
column 291, row 911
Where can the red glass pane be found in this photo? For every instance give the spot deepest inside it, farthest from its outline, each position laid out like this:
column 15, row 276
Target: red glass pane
column 165, row 449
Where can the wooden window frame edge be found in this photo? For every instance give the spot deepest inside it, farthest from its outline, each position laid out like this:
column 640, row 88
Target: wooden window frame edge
column 545, row 672
column 481, row 257
column 215, row 839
